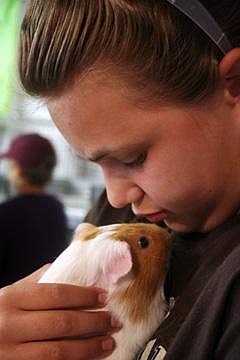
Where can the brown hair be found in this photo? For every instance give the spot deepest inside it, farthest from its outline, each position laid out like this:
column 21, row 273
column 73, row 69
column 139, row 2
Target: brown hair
column 41, row 174
column 150, row 43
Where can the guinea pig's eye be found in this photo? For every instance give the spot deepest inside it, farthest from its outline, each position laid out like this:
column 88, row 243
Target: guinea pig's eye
column 143, row 242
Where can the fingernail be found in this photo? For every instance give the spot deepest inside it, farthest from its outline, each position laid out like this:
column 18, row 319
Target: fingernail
column 102, row 298
column 108, row 344
column 115, row 323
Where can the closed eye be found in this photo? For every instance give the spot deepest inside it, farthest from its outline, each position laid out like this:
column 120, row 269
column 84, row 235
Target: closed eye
column 138, row 161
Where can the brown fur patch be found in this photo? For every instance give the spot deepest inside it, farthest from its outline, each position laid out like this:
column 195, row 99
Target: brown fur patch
column 149, row 267
column 87, row 234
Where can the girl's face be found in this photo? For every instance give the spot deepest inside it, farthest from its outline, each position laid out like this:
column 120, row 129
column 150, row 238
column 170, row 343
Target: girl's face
column 177, row 164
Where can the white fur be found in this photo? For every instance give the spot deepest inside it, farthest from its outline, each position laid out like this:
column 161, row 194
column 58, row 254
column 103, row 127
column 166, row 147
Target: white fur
column 89, row 263
column 132, row 338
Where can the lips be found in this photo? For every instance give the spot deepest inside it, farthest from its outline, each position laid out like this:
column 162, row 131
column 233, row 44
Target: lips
column 155, row 217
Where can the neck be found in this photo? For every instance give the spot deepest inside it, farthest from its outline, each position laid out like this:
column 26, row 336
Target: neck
column 30, row 189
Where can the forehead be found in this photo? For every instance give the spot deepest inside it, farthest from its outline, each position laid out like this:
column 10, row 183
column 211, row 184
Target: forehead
column 94, row 113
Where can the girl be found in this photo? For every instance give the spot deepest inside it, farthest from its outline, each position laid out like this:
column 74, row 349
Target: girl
column 150, row 90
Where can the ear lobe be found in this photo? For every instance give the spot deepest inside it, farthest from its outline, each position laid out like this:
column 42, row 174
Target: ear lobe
column 229, row 69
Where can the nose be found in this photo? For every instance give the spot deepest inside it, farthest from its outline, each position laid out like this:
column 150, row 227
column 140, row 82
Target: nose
column 121, row 191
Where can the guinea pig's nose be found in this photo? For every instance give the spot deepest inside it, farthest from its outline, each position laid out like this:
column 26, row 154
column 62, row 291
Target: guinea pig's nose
column 143, row 242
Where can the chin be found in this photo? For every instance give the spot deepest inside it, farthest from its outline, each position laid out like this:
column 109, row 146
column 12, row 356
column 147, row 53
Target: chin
column 181, row 227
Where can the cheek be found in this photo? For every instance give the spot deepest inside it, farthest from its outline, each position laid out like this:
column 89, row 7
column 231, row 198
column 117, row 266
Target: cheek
column 172, row 180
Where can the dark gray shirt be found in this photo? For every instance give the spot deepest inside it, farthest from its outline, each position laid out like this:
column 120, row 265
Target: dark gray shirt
column 33, row 232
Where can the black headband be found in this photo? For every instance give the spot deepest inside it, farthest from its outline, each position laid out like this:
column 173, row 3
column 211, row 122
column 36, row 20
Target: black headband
column 196, row 12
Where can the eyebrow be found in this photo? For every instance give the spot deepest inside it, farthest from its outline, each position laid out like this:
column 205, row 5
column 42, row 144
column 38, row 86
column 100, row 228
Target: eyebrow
column 101, row 153
column 98, row 155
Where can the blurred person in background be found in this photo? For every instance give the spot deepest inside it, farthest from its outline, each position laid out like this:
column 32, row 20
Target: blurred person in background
column 33, row 228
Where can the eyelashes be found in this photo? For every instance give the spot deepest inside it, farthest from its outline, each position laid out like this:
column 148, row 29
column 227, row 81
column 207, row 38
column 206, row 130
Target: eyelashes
column 138, row 161
column 127, row 162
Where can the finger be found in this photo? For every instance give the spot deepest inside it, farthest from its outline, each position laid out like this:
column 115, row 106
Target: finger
column 35, row 276
column 27, row 296
column 46, row 325
column 95, row 348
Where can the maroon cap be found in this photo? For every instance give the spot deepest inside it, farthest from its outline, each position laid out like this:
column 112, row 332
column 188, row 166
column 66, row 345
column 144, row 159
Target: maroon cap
column 29, row 150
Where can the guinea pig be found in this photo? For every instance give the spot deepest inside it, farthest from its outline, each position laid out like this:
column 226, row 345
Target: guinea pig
column 129, row 261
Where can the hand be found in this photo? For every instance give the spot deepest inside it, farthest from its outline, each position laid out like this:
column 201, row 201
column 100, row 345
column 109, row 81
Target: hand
column 47, row 321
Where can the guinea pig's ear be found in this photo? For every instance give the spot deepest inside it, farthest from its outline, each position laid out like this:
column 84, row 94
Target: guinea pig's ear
column 84, row 227
column 117, row 263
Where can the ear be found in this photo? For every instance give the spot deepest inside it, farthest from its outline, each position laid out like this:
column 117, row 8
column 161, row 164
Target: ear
column 16, row 169
column 229, row 69
column 84, row 227
column 116, row 263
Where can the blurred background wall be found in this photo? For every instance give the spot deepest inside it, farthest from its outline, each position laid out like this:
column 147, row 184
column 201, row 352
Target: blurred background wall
column 76, row 182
